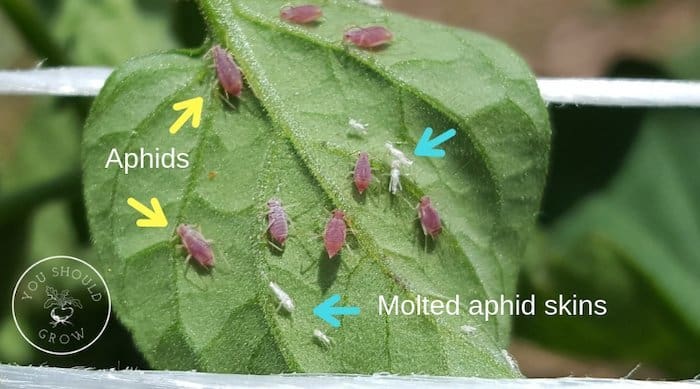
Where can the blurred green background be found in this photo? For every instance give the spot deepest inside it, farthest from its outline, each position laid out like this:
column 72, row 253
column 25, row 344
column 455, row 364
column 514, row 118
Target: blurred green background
column 620, row 218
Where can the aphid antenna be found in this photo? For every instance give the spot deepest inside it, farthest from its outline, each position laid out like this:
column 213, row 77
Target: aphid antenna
column 285, row 204
column 207, row 55
column 408, row 203
column 306, row 269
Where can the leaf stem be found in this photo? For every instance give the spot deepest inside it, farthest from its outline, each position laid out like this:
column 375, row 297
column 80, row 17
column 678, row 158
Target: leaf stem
column 27, row 19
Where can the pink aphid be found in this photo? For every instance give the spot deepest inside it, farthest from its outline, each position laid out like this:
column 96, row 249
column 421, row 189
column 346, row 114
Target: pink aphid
column 302, row 14
column 362, row 173
column 227, row 71
column 334, row 236
column 429, row 218
column 277, row 222
column 196, row 245
column 368, row 37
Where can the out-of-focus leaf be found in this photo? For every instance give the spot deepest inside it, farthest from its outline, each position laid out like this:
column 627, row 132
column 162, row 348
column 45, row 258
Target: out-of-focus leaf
column 49, row 146
column 610, row 131
column 108, row 32
column 187, row 24
column 636, row 246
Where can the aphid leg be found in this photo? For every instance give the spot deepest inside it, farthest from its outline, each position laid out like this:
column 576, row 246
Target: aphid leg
column 209, row 55
column 276, row 247
column 187, row 264
column 347, row 247
column 313, row 263
column 344, row 264
column 226, row 100
column 410, row 206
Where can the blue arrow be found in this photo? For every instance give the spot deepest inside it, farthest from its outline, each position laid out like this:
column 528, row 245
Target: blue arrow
column 426, row 146
column 327, row 311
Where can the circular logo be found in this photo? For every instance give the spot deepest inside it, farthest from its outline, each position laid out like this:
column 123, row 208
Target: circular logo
column 61, row 305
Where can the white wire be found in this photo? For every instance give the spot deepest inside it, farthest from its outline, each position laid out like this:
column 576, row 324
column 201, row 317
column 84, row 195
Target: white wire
column 87, row 81
column 620, row 92
column 28, row 377
column 63, row 81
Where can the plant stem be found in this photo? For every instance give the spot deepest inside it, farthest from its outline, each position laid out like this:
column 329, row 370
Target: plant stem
column 20, row 203
column 27, row 19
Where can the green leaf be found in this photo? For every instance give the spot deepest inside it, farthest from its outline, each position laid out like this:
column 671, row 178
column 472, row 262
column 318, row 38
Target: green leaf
column 48, row 147
column 634, row 245
column 109, row 32
column 289, row 138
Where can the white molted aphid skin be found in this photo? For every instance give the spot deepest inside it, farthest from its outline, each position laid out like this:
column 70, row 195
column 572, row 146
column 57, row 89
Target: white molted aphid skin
column 395, row 177
column 358, row 126
column 283, row 297
column 322, row 338
column 373, row 3
column 467, row 329
column 398, row 154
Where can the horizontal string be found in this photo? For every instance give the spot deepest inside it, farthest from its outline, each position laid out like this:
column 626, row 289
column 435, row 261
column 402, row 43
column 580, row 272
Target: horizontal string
column 87, row 81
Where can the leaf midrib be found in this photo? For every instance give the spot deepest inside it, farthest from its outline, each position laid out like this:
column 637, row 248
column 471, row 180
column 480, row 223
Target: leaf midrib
column 257, row 19
column 362, row 237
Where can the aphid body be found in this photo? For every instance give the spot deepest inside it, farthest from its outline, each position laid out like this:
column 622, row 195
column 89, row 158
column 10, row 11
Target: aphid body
column 362, row 174
column 429, row 218
column 395, row 177
column 398, row 154
column 196, row 245
column 358, row 126
column 302, row 14
column 323, row 339
column 286, row 302
column 277, row 221
column 368, row 37
column 227, row 71
column 334, row 235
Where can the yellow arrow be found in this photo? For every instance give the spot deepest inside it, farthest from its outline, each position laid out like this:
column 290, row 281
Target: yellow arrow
column 154, row 218
column 192, row 108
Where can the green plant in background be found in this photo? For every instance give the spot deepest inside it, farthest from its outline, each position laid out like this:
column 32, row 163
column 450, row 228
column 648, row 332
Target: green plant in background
column 41, row 206
column 635, row 243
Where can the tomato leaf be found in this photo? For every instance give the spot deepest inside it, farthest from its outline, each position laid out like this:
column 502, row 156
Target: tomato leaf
column 289, row 138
